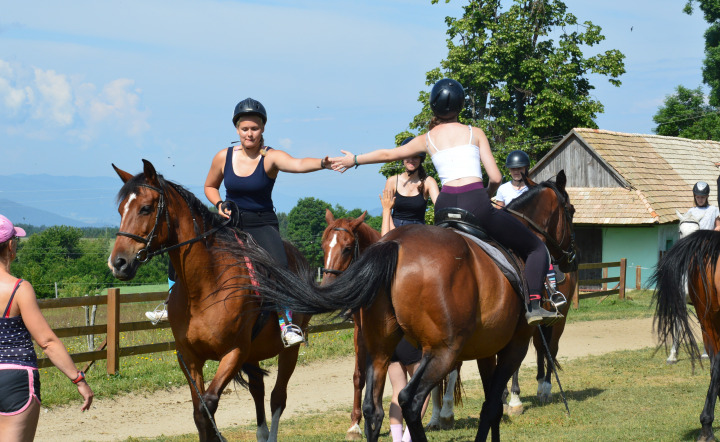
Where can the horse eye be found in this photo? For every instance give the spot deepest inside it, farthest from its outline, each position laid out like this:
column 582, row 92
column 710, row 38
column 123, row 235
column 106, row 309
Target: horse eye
column 347, row 250
column 144, row 210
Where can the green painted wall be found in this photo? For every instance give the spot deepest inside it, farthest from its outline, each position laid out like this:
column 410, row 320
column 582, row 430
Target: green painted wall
column 640, row 245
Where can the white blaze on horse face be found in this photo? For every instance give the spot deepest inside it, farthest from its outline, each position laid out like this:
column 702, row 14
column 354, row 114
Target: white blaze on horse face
column 333, row 243
column 127, row 207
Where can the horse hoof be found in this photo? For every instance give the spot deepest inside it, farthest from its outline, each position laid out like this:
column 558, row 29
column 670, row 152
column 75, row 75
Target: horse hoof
column 544, row 398
column 447, row 423
column 432, row 426
column 671, row 361
column 354, row 433
column 515, row 410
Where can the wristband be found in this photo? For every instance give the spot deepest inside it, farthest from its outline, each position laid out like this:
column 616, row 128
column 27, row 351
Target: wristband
column 355, row 161
column 322, row 163
column 80, row 377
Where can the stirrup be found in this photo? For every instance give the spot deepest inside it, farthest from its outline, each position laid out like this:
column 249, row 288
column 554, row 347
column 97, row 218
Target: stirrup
column 292, row 328
column 558, row 300
column 158, row 315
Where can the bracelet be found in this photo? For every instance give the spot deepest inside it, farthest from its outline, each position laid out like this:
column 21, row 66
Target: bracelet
column 217, row 205
column 80, row 377
column 355, row 161
column 322, row 163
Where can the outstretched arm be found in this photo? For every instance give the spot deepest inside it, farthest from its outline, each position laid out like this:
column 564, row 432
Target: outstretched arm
column 281, row 161
column 414, row 147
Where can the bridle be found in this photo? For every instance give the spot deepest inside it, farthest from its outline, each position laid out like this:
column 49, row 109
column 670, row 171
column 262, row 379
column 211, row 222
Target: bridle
column 143, row 255
column 569, row 254
column 356, row 251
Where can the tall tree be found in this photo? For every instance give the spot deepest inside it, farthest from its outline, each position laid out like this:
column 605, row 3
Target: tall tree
column 711, row 64
column 305, row 224
column 686, row 114
column 524, row 72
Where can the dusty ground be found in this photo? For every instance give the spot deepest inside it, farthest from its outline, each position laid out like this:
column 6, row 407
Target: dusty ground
column 313, row 387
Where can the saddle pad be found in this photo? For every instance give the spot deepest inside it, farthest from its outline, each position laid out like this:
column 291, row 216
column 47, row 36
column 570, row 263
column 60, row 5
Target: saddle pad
column 508, row 269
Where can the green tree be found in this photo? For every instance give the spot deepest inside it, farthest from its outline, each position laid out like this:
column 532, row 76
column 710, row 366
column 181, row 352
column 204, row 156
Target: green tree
column 686, row 114
column 524, row 72
column 305, row 224
column 711, row 64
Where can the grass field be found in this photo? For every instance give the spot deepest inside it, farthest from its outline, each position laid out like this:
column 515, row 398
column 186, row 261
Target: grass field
column 622, row 396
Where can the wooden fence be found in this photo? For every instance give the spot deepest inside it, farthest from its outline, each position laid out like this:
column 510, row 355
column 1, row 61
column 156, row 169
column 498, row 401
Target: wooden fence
column 618, row 290
column 111, row 350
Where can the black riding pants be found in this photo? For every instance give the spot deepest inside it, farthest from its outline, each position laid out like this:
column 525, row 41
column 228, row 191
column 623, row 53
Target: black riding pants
column 503, row 227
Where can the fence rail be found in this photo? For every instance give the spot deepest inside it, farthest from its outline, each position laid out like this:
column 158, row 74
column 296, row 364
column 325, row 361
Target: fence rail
column 619, row 289
column 114, row 299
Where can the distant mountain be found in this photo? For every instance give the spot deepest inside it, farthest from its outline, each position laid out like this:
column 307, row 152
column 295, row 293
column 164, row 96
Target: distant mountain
column 52, row 200
column 17, row 213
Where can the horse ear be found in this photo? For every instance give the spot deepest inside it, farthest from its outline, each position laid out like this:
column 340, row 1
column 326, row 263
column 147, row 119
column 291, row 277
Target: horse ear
column 124, row 176
column 359, row 220
column 150, row 173
column 528, row 182
column 679, row 215
column 561, row 180
column 329, row 218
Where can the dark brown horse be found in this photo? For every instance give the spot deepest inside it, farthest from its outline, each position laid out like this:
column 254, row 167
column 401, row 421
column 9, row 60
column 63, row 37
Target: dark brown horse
column 342, row 242
column 442, row 291
column 212, row 318
column 693, row 263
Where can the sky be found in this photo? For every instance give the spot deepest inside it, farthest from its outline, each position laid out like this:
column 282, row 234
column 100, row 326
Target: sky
column 87, row 84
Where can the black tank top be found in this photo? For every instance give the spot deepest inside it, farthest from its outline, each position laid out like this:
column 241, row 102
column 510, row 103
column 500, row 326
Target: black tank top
column 251, row 193
column 409, row 208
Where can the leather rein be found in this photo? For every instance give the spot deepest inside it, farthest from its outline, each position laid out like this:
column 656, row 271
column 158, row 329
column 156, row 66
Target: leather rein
column 356, row 251
column 143, row 255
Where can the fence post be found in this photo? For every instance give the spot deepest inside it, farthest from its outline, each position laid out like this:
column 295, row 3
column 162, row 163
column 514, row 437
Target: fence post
column 113, row 331
column 623, row 276
column 604, row 275
column 638, row 278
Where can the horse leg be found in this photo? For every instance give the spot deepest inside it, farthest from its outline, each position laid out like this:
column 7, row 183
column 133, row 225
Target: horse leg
column 708, row 414
column 433, row 367
column 515, row 406
column 287, row 360
column 256, row 385
column 229, row 366
column 437, row 400
column 192, row 368
column 544, row 361
column 443, row 411
column 354, row 432
column 375, row 373
column 508, row 362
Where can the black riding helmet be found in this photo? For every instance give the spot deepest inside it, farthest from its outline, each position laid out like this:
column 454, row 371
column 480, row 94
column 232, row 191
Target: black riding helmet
column 249, row 107
column 701, row 188
column 422, row 155
column 447, row 98
column 516, row 159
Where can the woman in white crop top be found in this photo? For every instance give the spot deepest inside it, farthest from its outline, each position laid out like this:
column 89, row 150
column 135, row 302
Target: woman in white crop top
column 458, row 152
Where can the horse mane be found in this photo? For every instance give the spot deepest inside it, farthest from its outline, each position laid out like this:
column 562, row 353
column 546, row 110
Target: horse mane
column 523, row 200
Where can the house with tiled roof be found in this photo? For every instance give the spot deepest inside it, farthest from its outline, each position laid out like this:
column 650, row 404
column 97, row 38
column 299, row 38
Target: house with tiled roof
column 626, row 189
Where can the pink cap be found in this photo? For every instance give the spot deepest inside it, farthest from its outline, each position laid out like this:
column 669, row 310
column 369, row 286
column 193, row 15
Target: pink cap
column 7, row 230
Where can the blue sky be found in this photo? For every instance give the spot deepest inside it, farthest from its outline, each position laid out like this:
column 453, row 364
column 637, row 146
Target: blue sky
column 84, row 84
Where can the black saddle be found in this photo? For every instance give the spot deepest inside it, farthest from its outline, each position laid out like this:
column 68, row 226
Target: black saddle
column 464, row 221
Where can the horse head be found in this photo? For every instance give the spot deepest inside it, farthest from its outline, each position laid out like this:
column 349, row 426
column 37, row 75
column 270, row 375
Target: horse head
column 688, row 224
column 142, row 206
column 547, row 210
column 340, row 244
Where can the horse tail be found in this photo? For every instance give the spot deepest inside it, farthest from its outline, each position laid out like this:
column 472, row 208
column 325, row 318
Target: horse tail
column 355, row 288
column 252, row 371
column 459, row 389
column 689, row 257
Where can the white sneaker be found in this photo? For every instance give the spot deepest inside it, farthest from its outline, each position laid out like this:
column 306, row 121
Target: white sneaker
column 292, row 335
column 158, row 315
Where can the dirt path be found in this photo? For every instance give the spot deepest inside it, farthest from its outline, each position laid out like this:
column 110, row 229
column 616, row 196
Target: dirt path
column 313, row 387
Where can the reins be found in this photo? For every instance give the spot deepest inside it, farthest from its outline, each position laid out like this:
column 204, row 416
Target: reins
column 143, row 255
column 356, row 251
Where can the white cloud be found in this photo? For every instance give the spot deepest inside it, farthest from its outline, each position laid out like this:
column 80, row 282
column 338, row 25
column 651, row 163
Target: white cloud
column 285, row 144
column 49, row 101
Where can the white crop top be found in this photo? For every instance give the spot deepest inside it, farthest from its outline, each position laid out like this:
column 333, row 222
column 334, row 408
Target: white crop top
column 456, row 162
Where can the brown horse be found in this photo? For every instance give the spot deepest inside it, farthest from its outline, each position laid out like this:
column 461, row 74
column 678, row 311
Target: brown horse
column 442, row 291
column 212, row 318
column 342, row 242
column 692, row 263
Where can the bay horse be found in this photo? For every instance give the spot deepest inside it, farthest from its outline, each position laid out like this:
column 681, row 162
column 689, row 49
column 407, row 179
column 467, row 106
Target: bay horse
column 212, row 318
column 691, row 263
column 444, row 293
column 343, row 240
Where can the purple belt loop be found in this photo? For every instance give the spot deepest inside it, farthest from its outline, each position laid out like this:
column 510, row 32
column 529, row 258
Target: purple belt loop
column 462, row 189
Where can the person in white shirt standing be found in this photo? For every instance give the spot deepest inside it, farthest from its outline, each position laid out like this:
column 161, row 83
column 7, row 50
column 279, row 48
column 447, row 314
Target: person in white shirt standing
column 517, row 163
column 708, row 215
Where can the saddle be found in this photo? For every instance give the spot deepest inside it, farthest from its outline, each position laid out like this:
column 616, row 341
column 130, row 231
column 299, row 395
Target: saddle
column 467, row 224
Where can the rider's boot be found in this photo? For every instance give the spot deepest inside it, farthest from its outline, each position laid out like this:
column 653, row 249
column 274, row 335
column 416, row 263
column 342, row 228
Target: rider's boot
column 290, row 333
column 536, row 315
